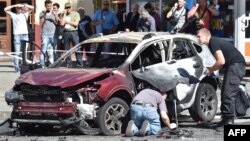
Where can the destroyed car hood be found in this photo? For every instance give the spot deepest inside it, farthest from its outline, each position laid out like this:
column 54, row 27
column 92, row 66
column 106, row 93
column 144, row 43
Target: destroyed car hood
column 60, row 77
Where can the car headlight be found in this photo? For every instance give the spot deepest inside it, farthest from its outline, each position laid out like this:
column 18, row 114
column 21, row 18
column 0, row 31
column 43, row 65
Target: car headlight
column 12, row 96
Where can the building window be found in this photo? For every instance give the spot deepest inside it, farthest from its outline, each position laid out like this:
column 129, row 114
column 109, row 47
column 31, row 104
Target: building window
column 2, row 6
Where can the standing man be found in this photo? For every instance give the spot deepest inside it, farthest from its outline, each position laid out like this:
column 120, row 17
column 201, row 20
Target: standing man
column 48, row 25
column 20, row 27
column 145, row 119
column 146, row 23
column 70, row 21
column 132, row 19
column 203, row 12
column 148, row 6
column 58, row 36
column 84, row 31
column 105, row 20
column 232, row 61
column 84, row 27
column 178, row 16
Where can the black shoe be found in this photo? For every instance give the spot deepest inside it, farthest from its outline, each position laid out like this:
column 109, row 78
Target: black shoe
column 129, row 130
column 143, row 131
column 79, row 66
column 224, row 121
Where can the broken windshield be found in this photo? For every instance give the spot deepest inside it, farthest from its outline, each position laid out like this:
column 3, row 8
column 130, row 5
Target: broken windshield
column 99, row 55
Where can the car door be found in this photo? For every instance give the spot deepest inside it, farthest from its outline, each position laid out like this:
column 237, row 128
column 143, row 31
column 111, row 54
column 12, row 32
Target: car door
column 189, row 65
column 181, row 68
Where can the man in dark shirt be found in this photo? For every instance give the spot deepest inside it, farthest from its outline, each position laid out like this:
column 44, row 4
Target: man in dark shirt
column 232, row 61
column 145, row 119
column 132, row 19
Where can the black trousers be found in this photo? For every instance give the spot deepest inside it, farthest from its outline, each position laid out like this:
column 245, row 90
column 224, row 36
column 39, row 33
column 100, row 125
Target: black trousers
column 232, row 78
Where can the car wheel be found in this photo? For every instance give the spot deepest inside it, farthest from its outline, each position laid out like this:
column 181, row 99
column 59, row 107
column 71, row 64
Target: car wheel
column 113, row 116
column 206, row 103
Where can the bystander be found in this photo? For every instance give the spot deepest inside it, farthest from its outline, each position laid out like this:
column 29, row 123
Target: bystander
column 20, row 27
column 132, row 19
column 48, row 25
column 70, row 21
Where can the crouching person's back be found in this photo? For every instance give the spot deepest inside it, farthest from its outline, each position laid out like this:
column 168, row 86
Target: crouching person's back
column 145, row 119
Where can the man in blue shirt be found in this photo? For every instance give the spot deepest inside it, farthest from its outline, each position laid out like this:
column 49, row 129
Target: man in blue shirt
column 105, row 20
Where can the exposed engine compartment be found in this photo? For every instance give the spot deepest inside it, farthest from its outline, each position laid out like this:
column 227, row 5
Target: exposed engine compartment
column 53, row 105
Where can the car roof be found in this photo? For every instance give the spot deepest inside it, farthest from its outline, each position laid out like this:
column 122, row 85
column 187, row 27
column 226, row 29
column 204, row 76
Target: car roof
column 134, row 37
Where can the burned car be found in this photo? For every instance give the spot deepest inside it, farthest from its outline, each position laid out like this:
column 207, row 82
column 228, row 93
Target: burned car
column 95, row 99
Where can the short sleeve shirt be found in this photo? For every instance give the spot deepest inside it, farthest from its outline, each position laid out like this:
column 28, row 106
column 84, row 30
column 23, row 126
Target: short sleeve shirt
column 19, row 23
column 109, row 17
column 153, row 97
column 230, row 53
column 73, row 16
column 49, row 25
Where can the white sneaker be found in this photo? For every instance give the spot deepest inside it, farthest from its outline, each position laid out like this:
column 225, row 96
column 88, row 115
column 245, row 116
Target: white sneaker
column 172, row 126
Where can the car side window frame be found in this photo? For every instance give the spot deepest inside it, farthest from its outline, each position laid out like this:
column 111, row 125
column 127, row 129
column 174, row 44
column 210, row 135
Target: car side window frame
column 181, row 49
column 139, row 57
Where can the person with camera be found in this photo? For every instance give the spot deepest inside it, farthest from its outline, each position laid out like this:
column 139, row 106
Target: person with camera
column 58, row 32
column 19, row 20
column 177, row 16
column 202, row 12
column 48, row 25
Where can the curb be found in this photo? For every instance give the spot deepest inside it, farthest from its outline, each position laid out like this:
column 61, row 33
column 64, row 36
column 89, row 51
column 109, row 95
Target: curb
column 4, row 115
column 5, row 58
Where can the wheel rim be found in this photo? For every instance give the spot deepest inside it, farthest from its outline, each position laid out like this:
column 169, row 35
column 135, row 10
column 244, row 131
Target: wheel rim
column 113, row 117
column 208, row 103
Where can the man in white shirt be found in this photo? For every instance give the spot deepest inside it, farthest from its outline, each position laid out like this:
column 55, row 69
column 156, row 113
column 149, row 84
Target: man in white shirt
column 19, row 20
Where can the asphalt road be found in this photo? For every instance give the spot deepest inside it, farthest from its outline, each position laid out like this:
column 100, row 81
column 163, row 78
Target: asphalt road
column 200, row 133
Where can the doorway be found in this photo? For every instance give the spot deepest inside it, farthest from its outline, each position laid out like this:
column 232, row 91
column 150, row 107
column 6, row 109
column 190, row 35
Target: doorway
column 5, row 27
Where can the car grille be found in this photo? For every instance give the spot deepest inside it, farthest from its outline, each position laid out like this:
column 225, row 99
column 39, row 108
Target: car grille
column 42, row 93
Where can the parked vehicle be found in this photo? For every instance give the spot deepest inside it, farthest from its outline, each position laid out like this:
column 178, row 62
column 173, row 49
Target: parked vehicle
column 96, row 98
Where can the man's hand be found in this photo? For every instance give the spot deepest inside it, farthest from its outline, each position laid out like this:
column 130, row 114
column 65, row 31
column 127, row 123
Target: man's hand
column 19, row 5
column 208, row 71
column 172, row 126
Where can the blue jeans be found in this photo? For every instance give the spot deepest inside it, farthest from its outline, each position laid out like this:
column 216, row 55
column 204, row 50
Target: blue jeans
column 47, row 47
column 68, row 37
column 17, row 45
column 140, row 113
column 57, row 43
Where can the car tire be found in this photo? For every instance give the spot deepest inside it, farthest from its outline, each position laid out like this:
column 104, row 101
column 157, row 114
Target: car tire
column 205, row 105
column 112, row 118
